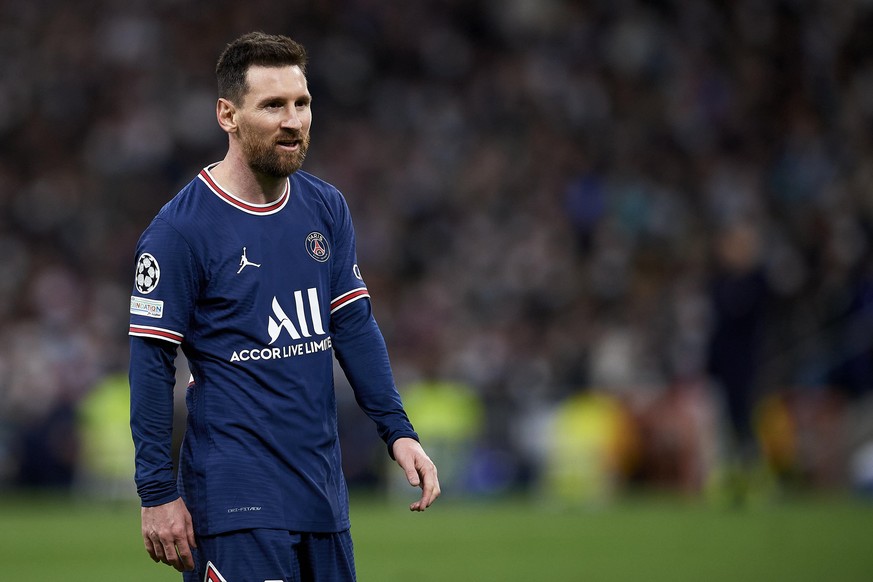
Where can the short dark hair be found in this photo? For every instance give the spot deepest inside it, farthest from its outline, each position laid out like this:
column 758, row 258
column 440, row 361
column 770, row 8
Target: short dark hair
column 254, row 49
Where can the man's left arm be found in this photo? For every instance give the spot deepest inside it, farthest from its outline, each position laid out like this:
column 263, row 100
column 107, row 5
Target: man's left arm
column 363, row 355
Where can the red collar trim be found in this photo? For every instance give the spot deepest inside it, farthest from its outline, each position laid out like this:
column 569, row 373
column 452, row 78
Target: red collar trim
column 258, row 209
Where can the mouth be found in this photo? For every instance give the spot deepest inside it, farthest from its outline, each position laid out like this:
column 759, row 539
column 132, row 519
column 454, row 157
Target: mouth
column 289, row 143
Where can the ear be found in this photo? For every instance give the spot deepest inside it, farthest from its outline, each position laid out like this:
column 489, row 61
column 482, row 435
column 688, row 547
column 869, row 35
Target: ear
column 225, row 112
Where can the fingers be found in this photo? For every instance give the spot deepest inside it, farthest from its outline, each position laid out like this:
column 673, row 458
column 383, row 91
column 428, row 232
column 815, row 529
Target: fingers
column 430, row 491
column 150, row 548
column 184, row 559
column 184, row 545
column 420, row 471
column 171, row 556
column 192, row 541
column 430, row 485
column 176, row 553
column 168, row 535
column 412, row 476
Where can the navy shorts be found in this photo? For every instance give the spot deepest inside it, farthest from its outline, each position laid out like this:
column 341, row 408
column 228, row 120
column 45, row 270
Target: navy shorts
column 271, row 555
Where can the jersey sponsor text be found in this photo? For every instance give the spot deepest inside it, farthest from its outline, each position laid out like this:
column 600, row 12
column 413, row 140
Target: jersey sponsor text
column 276, row 353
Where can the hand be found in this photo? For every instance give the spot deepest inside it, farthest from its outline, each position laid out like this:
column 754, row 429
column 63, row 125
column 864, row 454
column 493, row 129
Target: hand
column 168, row 534
column 420, row 471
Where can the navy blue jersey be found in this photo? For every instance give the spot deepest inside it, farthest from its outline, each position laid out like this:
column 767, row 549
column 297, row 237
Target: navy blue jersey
column 256, row 295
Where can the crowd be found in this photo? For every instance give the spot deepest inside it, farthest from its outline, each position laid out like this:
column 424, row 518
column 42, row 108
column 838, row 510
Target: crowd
column 667, row 202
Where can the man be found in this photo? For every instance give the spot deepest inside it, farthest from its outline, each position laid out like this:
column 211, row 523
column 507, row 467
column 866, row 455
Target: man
column 251, row 268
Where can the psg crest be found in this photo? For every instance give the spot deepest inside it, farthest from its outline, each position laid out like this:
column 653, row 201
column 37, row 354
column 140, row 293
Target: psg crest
column 317, row 247
column 147, row 273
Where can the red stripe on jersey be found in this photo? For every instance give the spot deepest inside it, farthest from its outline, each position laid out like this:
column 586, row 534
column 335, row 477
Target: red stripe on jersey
column 349, row 297
column 155, row 332
column 212, row 574
column 242, row 204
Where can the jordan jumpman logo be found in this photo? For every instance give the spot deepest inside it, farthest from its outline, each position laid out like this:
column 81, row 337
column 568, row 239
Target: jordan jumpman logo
column 245, row 262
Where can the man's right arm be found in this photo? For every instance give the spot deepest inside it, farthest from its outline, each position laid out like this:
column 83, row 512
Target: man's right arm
column 152, row 379
column 162, row 300
column 167, row 529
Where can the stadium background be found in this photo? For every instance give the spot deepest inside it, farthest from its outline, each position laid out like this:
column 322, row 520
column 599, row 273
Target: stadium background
column 546, row 193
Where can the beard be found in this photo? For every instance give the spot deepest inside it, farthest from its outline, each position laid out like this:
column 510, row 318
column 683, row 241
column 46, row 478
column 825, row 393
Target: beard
column 265, row 159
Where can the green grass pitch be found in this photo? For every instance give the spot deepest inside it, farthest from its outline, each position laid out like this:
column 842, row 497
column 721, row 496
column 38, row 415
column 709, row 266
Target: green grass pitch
column 49, row 539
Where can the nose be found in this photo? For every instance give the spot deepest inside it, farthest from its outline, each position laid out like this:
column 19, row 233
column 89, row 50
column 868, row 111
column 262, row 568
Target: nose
column 292, row 120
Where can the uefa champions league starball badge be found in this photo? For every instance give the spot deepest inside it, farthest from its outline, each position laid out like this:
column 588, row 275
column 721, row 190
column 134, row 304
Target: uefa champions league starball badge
column 148, row 273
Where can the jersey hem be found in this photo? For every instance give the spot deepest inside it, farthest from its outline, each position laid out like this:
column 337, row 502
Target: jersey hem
column 309, row 527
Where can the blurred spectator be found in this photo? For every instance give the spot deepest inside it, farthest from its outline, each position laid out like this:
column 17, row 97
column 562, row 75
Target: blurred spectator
column 450, row 416
column 739, row 295
column 106, row 466
column 592, row 447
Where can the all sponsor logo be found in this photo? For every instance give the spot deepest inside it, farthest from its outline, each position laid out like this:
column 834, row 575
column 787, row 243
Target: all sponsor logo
column 303, row 325
column 283, row 322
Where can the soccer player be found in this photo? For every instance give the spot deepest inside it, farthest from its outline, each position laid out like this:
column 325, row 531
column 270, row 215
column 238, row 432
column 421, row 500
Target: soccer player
column 251, row 269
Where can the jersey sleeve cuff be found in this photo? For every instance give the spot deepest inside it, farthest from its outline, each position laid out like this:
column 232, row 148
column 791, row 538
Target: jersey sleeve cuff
column 160, row 496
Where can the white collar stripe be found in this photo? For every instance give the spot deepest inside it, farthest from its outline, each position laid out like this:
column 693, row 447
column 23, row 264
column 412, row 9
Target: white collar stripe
column 256, row 209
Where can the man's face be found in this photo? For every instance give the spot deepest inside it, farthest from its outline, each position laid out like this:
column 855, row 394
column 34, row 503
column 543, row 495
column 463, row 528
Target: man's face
column 275, row 118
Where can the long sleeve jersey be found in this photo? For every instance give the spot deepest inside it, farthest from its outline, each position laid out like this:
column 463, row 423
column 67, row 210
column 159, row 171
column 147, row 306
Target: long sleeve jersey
column 260, row 298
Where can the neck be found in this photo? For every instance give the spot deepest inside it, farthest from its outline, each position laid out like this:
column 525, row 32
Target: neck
column 238, row 177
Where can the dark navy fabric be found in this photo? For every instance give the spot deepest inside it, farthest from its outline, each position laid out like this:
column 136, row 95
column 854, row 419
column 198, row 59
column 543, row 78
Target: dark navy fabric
column 264, row 555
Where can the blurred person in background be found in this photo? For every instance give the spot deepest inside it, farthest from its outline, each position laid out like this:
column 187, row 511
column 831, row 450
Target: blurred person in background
column 739, row 297
column 252, row 269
